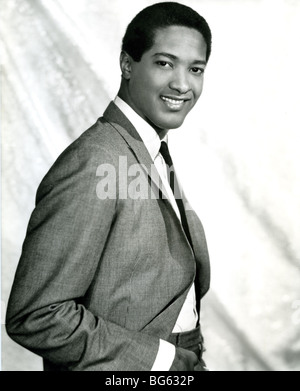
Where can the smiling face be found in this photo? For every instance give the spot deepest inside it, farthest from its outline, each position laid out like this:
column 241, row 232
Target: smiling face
column 167, row 82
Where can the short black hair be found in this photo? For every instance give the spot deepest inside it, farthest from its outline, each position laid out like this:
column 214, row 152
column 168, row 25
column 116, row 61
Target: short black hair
column 140, row 33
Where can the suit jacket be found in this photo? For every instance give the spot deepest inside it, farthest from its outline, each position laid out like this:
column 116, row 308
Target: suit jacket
column 100, row 281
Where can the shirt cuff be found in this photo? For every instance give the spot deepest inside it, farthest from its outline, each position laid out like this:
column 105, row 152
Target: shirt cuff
column 165, row 356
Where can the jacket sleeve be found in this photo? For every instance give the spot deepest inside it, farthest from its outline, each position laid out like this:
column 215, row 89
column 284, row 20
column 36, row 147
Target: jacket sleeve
column 66, row 236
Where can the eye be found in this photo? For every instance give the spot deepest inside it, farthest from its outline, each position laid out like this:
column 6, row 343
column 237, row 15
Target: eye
column 164, row 64
column 197, row 71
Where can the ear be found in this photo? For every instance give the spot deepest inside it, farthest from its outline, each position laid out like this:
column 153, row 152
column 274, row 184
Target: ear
column 125, row 65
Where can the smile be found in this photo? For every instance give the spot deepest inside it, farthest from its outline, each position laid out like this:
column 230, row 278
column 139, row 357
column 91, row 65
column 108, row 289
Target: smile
column 173, row 103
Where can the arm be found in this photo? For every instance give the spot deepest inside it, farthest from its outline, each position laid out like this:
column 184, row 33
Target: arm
column 66, row 236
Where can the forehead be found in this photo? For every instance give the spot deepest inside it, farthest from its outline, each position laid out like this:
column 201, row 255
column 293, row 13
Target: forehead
column 179, row 39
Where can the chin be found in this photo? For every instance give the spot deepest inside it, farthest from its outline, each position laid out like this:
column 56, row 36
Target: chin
column 172, row 124
column 163, row 123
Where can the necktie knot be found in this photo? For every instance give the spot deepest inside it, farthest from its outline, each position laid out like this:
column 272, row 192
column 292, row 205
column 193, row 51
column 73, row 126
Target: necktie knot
column 164, row 151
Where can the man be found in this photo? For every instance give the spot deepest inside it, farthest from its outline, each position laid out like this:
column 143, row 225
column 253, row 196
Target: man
column 111, row 277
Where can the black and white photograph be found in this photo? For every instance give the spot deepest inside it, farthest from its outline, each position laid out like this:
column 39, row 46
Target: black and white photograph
column 150, row 187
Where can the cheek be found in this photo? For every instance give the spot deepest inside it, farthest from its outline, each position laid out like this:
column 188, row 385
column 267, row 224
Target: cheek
column 148, row 93
column 199, row 88
column 143, row 88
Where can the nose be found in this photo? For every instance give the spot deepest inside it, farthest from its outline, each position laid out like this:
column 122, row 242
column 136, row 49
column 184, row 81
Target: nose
column 180, row 82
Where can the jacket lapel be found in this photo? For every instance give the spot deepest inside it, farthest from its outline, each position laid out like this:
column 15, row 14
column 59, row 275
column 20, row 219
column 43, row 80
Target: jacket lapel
column 125, row 128
column 200, row 251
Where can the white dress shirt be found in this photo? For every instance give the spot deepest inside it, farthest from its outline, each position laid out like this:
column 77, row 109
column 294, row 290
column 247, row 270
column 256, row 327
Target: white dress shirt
column 188, row 317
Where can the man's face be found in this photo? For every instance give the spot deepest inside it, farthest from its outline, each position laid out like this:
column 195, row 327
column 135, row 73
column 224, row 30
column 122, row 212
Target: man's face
column 165, row 85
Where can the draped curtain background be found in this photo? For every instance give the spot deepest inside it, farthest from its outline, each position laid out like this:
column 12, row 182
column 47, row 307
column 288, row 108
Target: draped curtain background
column 237, row 154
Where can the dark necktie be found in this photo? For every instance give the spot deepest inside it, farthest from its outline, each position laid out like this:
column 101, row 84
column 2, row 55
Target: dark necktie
column 164, row 150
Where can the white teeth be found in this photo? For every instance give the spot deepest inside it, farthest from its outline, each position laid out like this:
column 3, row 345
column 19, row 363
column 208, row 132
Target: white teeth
column 173, row 101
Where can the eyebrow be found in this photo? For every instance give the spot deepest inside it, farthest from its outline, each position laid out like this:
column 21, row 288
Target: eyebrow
column 173, row 57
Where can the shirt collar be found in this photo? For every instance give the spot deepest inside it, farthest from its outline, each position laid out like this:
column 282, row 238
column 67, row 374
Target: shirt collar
column 148, row 134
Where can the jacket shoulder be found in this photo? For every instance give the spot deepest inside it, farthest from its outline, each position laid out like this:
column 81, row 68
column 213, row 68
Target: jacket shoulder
column 100, row 144
column 100, row 136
